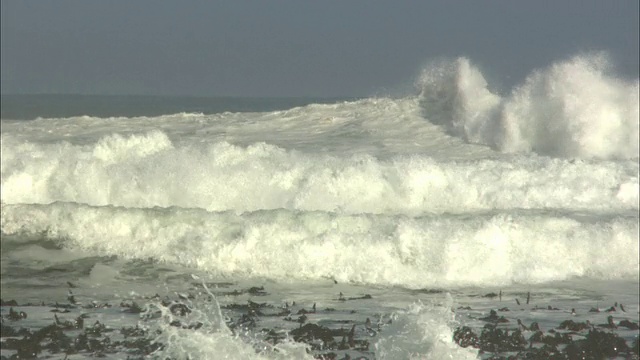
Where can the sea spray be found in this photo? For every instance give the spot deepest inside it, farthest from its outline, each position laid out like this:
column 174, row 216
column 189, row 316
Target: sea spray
column 201, row 332
column 574, row 108
column 423, row 331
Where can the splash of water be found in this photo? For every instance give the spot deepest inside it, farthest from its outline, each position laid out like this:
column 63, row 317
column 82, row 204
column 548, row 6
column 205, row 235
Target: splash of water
column 574, row 108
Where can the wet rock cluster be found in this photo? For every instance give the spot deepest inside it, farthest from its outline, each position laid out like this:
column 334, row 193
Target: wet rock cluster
column 74, row 329
column 69, row 337
column 331, row 340
column 569, row 340
column 84, row 327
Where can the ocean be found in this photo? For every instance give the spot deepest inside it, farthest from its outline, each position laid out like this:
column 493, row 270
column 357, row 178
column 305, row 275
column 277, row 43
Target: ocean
column 420, row 213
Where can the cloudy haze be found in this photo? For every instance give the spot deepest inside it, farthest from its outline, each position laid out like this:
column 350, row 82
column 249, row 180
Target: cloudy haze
column 294, row 48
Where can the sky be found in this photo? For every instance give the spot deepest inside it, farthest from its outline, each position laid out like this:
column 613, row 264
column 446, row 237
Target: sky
column 294, row 48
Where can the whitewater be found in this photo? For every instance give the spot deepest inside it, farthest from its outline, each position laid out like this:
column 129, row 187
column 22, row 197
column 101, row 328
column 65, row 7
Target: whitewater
column 456, row 188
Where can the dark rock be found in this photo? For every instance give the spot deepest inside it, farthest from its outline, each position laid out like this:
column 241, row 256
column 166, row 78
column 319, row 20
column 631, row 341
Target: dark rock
column 327, row 356
column 534, row 326
column 522, row 326
column 132, row 308
column 59, row 342
column 255, row 305
column 274, row 336
column 628, row 324
column 598, row 345
column 465, row 337
column 16, row 315
column 26, row 348
column 95, row 305
column 6, row 331
column 610, row 324
column 31, row 344
column 537, row 337
column 257, row 291
column 351, row 336
column 494, row 318
column 497, row 340
column 573, row 326
column 179, row 309
column 71, row 298
column 309, row 332
column 64, row 325
column 132, row 331
column 175, row 323
column 246, row 321
column 427, row 291
column 97, row 329
column 546, row 352
column 557, row 339
column 302, row 319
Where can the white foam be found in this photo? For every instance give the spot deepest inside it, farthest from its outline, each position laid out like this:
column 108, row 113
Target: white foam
column 147, row 170
column 102, row 274
column 422, row 332
column 574, row 108
column 214, row 340
column 444, row 250
column 116, row 148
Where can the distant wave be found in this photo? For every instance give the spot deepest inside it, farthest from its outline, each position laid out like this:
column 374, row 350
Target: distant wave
column 573, row 108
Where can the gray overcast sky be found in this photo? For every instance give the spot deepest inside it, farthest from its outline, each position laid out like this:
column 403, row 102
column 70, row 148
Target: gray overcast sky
column 294, row 48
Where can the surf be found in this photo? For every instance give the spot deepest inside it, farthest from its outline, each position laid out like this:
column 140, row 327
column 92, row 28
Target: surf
column 573, row 108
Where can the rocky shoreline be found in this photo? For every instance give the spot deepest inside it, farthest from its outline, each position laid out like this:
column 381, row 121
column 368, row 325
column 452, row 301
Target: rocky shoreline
column 90, row 328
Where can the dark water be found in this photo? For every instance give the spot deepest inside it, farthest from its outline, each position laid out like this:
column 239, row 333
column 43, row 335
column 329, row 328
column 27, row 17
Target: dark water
column 28, row 107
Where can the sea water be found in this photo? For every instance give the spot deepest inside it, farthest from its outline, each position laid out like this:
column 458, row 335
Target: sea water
column 423, row 202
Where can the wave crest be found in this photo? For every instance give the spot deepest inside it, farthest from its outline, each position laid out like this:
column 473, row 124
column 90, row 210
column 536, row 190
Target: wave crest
column 574, row 108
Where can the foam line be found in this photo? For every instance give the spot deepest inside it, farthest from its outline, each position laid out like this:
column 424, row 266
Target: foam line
column 147, row 170
column 440, row 250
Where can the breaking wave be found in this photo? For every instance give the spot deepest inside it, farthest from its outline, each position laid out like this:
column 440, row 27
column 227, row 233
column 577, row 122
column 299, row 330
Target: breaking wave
column 574, row 108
